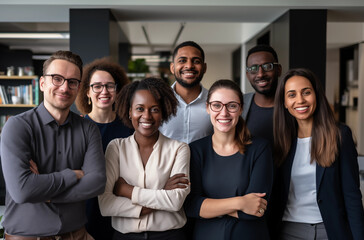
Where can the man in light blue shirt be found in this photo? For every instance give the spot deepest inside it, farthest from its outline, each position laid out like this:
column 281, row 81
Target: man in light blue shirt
column 192, row 121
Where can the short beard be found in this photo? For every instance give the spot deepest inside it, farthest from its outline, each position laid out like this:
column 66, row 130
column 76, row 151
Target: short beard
column 269, row 92
column 185, row 84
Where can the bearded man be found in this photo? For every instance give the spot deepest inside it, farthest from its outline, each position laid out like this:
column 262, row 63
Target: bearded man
column 263, row 71
column 192, row 121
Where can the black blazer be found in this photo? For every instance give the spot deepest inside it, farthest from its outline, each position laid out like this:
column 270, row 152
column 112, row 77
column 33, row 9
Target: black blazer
column 338, row 193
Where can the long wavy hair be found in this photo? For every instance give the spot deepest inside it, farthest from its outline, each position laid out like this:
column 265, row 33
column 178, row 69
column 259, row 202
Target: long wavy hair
column 325, row 131
column 242, row 134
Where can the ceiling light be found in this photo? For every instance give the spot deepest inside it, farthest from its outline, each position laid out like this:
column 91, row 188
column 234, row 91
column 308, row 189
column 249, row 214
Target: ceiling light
column 35, row 35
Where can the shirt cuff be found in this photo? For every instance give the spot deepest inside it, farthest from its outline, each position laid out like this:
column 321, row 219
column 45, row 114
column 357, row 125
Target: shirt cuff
column 135, row 195
column 69, row 177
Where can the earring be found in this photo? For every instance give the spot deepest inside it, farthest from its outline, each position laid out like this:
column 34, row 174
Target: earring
column 89, row 101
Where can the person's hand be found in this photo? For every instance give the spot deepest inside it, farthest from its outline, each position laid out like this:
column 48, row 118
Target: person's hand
column 146, row 211
column 177, row 181
column 33, row 167
column 122, row 188
column 79, row 174
column 253, row 204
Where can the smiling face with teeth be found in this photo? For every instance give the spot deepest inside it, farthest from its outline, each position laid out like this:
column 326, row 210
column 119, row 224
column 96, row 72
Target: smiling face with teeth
column 105, row 99
column 146, row 115
column 224, row 121
column 264, row 83
column 188, row 67
column 300, row 99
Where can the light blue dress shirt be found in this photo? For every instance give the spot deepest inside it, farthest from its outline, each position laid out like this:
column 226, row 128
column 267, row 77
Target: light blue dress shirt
column 191, row 122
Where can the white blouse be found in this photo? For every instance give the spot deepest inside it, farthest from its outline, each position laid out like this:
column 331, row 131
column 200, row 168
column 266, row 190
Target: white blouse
column 302, row 204
column 168, row 158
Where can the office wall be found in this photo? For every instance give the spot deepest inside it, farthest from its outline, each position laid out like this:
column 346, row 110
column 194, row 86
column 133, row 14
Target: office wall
column 332, row 75
column 219, row 66
column 339, row 34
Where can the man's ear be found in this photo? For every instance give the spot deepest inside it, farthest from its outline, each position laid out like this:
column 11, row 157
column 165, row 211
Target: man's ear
column 279, row 70
column 41, row 83
column 205, row 68
column 171, row 67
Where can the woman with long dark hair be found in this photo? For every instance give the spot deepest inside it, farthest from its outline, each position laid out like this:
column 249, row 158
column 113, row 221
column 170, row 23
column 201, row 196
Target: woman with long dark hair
column 231, row 173
column 316, row 193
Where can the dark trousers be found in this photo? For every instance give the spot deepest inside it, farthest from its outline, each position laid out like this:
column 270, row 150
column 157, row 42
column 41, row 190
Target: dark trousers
column 304, row 231
column 80, row 234
column 174, row 234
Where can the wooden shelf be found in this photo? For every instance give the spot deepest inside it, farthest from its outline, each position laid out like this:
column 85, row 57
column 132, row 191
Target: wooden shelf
column 17, row 77
column 18, row 105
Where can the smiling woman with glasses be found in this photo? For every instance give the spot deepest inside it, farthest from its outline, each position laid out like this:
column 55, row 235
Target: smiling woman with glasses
column 231, row 107
column 98, row 87
column 231, row 173
column 101, row 83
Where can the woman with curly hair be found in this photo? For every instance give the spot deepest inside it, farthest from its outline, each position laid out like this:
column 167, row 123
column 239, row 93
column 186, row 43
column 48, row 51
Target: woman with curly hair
column 147, row 173
column 316, row 191
column 101, row 82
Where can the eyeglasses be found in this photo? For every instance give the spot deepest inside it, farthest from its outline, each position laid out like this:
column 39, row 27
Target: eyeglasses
column 58, row 80
column 266, row 67
column 217, row 106
column 97, row 87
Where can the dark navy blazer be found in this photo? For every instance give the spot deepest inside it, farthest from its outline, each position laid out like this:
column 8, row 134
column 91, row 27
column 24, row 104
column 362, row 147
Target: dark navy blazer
column 338, row 193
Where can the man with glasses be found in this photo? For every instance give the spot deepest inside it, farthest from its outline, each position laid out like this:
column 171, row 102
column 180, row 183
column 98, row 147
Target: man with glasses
column 263, row 71
column 52, row 160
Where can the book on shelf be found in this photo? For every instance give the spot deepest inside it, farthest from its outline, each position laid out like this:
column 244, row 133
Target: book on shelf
column 3, row 119
column 22, row 94
column 35, row 84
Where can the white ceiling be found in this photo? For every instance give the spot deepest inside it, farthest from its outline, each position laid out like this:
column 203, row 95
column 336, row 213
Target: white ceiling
column 215, row 24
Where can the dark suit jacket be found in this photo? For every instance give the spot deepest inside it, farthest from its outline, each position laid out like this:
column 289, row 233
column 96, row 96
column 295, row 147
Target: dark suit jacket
column 338, row 193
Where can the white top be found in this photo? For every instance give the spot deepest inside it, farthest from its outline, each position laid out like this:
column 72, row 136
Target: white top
column 168, row 158
column 191, row 122
column 302, row 204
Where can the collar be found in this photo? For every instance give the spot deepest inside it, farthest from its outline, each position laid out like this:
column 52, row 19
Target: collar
column 202, row 95
column 159, row 142
column 47, row 118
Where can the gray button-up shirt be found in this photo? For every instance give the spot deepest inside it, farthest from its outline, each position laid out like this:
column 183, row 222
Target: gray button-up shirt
column 52, row 202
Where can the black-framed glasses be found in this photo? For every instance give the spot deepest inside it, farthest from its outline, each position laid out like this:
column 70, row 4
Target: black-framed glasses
column 217, row 106
column 98, row 87
column 267, row 67
column 58, row 80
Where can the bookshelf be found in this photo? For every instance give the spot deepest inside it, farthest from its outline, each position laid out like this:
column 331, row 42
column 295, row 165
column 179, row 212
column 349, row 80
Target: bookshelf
column 17, row 94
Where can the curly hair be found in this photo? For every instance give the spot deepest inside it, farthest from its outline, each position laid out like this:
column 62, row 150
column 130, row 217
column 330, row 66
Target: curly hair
column 102, row 64
column 160, row 90
column 242, row 134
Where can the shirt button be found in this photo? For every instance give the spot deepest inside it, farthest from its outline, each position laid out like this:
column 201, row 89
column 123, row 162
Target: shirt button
column 59, row 152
